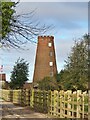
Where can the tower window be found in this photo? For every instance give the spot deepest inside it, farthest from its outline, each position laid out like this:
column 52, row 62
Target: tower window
column 51, row 53
column 51, row 63
column 49, row 44
column 51, row 74
column 42, row 39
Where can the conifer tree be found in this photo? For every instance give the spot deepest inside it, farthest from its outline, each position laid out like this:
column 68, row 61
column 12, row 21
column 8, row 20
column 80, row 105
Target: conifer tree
column 75, row 74
column 19, row 75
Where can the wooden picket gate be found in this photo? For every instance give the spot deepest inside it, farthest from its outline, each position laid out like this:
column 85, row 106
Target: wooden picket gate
column 60, row 104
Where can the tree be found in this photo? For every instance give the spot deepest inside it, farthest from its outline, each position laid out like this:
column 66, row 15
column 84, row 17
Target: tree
column 75, row 75
column 7, row 17
column 19, row 75
column 48, row 83
column 60, row 79
column 19, row 29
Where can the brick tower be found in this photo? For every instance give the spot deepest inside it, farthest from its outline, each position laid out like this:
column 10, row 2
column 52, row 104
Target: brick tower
column 45, row 63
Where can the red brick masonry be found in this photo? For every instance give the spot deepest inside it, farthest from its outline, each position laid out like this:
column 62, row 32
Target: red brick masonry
column 3, row 77
column 45, row 62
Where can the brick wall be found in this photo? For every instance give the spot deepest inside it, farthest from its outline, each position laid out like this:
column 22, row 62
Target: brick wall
column 45, row 62
column 3, row 77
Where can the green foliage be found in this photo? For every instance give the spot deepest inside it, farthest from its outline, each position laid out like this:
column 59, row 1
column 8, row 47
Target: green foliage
column 48, row 83
column 15, row 29
column 19, row 75
column 7, row 16
column 5, row 85
column 75, row 74
column 59, row 76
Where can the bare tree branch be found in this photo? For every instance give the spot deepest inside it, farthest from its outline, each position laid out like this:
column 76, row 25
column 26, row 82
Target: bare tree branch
column 24, row 26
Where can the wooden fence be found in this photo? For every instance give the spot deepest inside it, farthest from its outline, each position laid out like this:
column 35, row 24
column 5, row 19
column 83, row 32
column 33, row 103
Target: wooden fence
column 60, row 104
column 69, row 104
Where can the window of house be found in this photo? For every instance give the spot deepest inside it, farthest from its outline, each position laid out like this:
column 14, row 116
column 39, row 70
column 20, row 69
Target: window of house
column 51, row 63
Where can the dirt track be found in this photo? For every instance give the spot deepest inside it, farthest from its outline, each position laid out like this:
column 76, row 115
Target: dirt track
column 9, row 110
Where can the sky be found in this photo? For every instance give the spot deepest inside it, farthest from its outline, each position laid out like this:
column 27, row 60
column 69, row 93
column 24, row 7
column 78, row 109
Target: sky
column 71, row 22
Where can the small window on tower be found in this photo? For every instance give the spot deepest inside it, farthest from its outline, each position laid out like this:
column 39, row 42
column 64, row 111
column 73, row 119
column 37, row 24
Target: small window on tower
column 49, row 44
column 51, row 74
column 51, row 54
column 42, row 39
column 51, row 63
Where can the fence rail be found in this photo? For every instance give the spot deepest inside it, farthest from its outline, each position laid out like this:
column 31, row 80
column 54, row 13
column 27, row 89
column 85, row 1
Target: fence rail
column 60, row 104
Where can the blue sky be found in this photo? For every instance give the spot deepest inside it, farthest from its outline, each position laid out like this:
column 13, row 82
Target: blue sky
column 71, row 22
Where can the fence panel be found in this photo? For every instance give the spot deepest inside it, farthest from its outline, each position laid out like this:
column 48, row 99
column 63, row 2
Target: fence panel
column 60, row 104
column 41, row 101
column 6, row 95
column 68, row 104
column 17, row 97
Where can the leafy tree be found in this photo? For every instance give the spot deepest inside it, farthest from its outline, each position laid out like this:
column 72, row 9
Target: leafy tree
column 7, row 17
column 48, row 83
column 60, row 79
column 16, row 27
column 19, row 75
column 75, row 75
column 58, row 76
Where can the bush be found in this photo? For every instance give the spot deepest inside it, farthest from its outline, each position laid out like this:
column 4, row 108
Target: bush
column 48, row 83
